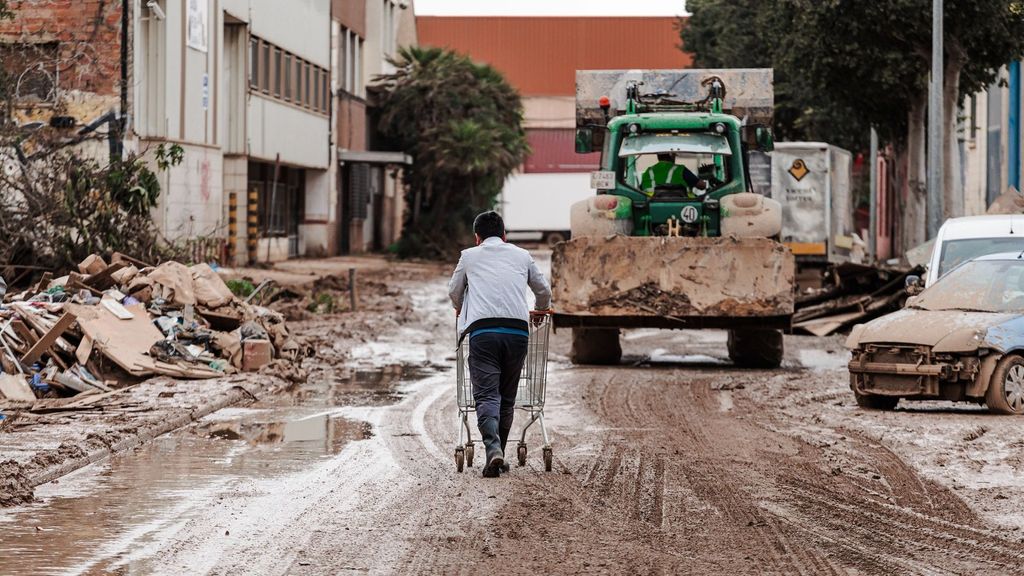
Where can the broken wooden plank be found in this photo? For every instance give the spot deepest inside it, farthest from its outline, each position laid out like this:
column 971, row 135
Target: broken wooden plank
column 84, row 350
column 15, row 387
column 24, row 333
column 75, row 283
column 829, row 324
column 44, row 343
column 103, row 281
column 118, row 257
column 44, row 282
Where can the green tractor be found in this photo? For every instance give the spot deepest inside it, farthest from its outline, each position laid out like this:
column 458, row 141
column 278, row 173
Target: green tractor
column 675, row 237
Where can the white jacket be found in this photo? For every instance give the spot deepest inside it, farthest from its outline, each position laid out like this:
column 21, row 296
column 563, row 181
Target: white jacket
column 489, row 286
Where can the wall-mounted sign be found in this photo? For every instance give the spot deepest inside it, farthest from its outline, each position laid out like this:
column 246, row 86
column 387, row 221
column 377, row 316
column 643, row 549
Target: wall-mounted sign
column 198, row 24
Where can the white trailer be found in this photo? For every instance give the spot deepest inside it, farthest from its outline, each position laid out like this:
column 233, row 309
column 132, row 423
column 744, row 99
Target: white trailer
column 812, row 182
column 535, row 206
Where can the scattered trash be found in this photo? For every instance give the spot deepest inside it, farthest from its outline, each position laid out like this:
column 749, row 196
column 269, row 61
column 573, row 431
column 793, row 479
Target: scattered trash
column 109, row 325
column 854, row 293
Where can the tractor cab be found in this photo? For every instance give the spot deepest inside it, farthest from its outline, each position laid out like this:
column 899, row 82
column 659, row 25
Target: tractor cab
column 673, row 160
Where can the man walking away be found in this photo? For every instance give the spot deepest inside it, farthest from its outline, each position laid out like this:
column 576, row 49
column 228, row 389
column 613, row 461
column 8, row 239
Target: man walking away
column 488, row 290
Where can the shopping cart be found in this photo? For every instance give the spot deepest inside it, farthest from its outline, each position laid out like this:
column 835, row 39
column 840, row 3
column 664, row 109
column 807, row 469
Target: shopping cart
column 529, row 399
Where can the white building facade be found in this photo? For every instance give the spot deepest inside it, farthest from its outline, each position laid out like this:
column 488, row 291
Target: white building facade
column 243, row 86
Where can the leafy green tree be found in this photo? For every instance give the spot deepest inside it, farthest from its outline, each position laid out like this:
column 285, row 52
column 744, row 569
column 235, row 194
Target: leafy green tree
column 842, row 66
column 462, row 124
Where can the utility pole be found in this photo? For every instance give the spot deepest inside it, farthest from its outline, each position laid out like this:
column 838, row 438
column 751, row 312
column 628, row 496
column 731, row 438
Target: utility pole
column 935, row 127
column 873, row 201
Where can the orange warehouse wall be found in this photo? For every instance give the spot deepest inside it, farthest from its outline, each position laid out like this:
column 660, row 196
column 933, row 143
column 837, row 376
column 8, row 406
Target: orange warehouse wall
column 540, row 55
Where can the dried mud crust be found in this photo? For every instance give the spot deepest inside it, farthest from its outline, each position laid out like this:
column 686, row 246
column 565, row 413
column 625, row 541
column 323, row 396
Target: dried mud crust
column 383, row 306
column 681, row 486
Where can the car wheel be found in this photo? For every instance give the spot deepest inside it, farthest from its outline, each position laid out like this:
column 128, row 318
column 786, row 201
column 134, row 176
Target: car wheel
column 1005, row 393
column 872, row 402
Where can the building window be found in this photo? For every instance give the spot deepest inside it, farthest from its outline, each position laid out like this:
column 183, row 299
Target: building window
column 265, row 70
column 387, row 36
column 287, row 77
column 350, row 64
column 254, row 63
column 284, row 76
column 309, row 96
column 325, row 97
column 316, row 91
column 277, row 72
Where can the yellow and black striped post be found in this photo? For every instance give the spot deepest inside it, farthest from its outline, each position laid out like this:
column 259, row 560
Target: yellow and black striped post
column 232, row 227
column 252, row 217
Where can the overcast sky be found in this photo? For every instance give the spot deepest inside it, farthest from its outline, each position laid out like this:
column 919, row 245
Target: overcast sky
column 549, row 7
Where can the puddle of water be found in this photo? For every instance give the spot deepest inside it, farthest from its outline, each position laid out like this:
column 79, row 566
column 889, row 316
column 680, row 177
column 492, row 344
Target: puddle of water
column 823, row 359
column 259, row 427
column 661, row 356
column 125, row 501
column 355, row 387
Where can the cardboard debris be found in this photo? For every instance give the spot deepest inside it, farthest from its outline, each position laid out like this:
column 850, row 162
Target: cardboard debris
column 14, row 387
column 176, row 280
column 109, row 325
column 93, row 264
column 210, row 289
column 256, row 354
column 124, row 342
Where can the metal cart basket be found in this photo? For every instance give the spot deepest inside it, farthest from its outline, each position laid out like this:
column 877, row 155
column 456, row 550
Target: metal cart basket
column 529, row 399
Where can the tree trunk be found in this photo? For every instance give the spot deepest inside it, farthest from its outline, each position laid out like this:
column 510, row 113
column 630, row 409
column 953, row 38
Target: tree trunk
column 953, row 189
column 914, row 225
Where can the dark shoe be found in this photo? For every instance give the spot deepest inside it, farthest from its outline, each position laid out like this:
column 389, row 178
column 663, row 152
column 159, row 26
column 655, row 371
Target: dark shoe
column 505, row 468
column 492, row 444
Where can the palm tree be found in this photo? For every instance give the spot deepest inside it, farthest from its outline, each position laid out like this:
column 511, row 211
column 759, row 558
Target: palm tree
column 462, row 124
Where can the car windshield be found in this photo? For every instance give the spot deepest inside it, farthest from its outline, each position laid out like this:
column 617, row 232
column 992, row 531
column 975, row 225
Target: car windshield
column 980, row 285
column 674, row 162
column 956, row 252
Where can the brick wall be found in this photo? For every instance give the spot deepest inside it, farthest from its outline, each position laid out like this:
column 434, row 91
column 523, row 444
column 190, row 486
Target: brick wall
column 84, row 35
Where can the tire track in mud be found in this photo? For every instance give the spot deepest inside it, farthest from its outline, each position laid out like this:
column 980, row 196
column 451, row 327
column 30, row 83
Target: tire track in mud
column 727, row 491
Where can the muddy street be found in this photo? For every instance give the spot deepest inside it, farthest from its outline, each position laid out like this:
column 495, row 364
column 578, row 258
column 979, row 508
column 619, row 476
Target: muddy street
column 673, row 462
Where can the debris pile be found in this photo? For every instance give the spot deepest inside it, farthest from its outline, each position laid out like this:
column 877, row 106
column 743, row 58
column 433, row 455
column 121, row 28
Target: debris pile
column 852, row 294
column 113, row 324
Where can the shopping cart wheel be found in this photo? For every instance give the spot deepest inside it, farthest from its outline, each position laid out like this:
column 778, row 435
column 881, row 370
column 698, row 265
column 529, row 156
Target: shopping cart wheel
column 548, row 457
column 521, row 452
column 460, row 458
column 469, row 454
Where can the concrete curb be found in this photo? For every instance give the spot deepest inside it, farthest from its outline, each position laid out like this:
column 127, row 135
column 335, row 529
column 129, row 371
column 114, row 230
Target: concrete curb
column 233, row 396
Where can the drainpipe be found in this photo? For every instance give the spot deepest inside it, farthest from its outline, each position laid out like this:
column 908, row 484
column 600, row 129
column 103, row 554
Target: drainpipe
column 117, row 147
column 1014, row 126
column 873, row 200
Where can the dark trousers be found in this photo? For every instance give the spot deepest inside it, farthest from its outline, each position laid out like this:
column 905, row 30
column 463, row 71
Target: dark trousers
column 495, row 361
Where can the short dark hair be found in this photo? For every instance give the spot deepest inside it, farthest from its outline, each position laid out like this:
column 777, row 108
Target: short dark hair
column 488, row 224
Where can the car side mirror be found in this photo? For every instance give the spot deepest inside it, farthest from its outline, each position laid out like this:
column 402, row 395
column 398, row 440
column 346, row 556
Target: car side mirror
column 913, row 285
column 584, row 141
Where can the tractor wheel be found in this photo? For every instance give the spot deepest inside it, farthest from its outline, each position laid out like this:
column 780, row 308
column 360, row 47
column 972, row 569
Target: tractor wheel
column 595, row 346
column 552, row 238
column 755, row 348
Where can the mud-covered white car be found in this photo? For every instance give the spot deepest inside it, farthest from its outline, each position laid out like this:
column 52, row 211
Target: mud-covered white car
column 961, row 339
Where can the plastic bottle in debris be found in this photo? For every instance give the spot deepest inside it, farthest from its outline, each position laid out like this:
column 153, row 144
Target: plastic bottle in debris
column 36, row 381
